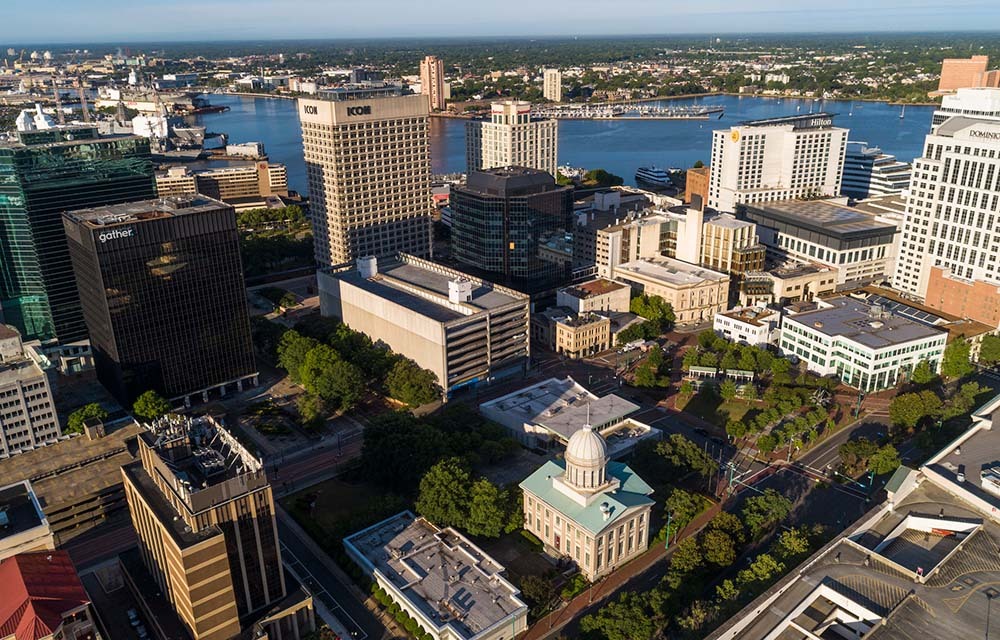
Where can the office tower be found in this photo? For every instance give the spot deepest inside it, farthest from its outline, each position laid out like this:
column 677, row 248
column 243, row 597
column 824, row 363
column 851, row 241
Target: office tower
column 46, row 172
column 501, row 220
column 369, row 170
column 552, row 85
column 432, row 81
column 161, row 283
column 868, row 172
column 960, row 73
column 511, row 139
column 980, row 103
column 28, row 418
column 776, row 159
column 203, row 511
column 466, row 330
column 950, row 228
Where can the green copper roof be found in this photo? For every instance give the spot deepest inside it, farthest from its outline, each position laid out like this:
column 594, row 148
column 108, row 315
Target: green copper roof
column 897, row 478
column 633, row 492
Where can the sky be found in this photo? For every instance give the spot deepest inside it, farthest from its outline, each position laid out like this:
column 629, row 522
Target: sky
column 82, row 21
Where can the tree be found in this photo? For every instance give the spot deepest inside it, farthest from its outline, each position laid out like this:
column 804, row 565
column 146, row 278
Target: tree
column 698, row 164
column 735, row 429
column 761, row 512
column 956, row 361
column 408, row 383
column 398, row 449
column 690, row 359
column 686, row 388
column 923, row 373
column 538, row 591
column 627, row 618
column 655, row 309
column 292, row 350
column 728, row 524
column 718, row 548
column 989, row 350
column 761, row 570
column 687, row 557
column 767, row 443
column 727, row 390
column 706, row 339
column 444, row 494
column 780, row 366
column 312, row 410
column 681, row 453
column 683, row 507
column 74, row 424
column 885, row 460
column 649, row 373
column 855, row 455
column 906, row 410
column 487, row 509
column 601, row 178
column 150, row 405
column 791, row 544
column 325, row 374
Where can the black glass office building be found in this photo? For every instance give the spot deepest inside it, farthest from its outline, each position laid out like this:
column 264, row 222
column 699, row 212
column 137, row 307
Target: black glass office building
column 43, row 174
column 505, row 223
column 162, row 290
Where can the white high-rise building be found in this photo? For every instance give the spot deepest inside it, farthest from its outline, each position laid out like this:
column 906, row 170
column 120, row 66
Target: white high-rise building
column 552, row 85
column 512, row 139
column 952, row 216
column 776, row 159
column 369, row 169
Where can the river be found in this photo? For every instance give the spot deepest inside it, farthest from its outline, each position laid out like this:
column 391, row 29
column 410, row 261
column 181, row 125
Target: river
column 619, row 146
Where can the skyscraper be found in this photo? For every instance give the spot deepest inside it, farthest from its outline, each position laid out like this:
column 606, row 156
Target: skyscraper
column 162, row 290
column 951, row 220
column 432, row 81
column 501, row 222
column 203, row 510
column 512, row 139
column 776, row 159
column 42, row 174
column 369, row 170
column 552, row 85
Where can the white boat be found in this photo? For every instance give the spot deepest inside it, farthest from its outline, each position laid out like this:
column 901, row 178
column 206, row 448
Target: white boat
column 652, row 175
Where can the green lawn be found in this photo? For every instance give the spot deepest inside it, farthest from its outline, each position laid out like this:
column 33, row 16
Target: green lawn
column 712, row 408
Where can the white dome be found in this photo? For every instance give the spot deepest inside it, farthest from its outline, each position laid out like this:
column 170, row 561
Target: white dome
column 586, row 448
column 586, row 459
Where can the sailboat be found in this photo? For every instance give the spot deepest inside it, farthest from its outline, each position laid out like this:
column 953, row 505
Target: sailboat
column 902, row 113
column 851, row 112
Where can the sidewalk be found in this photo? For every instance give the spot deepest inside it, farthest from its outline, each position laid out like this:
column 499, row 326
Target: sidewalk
column 593, row 597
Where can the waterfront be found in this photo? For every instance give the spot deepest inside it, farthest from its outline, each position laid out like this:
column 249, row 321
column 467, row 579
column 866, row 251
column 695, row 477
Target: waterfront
column 619, row 146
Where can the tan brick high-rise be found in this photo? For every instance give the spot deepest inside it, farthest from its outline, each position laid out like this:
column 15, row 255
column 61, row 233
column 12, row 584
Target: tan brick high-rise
column 432, row 81
column 368, row 165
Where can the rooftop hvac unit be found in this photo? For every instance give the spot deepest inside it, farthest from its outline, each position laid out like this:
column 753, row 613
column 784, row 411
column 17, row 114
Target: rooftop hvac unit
column 459, row 290
column 368, row 267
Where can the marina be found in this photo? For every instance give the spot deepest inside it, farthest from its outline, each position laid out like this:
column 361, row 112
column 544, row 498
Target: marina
column 647, row 111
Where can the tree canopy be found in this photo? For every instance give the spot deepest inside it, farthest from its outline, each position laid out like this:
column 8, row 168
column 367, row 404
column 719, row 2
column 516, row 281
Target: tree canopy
column 762, row 512
column 74, row 424
column 956, row 361
column 408, row 383
column 150, row 405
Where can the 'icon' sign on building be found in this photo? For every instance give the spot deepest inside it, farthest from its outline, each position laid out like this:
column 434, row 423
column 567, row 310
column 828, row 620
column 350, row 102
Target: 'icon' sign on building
column 310, row 109
column 365, row 110
column 115, row 234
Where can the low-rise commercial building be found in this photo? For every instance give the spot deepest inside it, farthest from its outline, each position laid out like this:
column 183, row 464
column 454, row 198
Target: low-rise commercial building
column 587, row 508
column 975, row 299
column 784, row 285
column 581, row 335
column 695, row 294
column 731, row 246
column 451, row 587
column 859, row 245
column 76, row 480
column 466, row 330
column 28, row 418
column 23, row 527
column 696, row 186
column 756, row 326
column 866, row 346
column 595, row 295
column 546, row 414
column 245, row 187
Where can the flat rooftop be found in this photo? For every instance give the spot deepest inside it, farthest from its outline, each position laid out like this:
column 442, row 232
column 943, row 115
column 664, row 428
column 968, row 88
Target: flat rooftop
column 130, row 212
column 441, row 573
column 422, row 287
column 850, row 578
column 18, row 509
column 728, row 221
column 670, row 271
column 22, row 368
column 823, row 216
column 561, row 407
column 753, row 315
column 68, row 471
column 593, row 288
column 864, row 324
column 800, row 121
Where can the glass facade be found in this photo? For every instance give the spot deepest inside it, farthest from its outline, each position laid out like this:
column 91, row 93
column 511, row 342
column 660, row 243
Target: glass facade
column 163, row 295
column 47, row 173
column 501, row 222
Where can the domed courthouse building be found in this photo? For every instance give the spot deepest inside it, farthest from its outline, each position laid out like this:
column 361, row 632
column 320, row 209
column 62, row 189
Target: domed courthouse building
column 588, row 508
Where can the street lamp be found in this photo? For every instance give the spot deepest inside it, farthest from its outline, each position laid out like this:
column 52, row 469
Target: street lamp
column 670, row 517
column 989, row 605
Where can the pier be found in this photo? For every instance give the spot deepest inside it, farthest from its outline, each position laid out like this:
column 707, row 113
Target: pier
column 627, row 112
